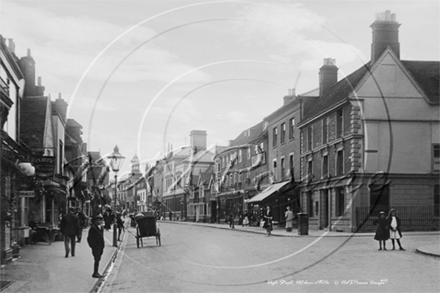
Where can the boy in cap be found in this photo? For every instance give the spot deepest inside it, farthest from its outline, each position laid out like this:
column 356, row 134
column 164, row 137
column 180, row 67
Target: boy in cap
column 95, row 239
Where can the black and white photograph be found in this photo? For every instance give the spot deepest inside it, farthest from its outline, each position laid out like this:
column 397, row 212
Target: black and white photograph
column 219, row 146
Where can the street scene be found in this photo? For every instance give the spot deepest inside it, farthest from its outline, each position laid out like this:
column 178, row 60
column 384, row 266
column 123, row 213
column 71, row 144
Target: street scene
column 219, row 146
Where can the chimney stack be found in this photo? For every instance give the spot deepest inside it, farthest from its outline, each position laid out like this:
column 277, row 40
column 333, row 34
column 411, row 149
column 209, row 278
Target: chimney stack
column 328, row 75
column 290, row 97
column 385, row 34
column 11, row 45
column 27, row 66
column 60, row 107
column 39, row 89
column 198, row 139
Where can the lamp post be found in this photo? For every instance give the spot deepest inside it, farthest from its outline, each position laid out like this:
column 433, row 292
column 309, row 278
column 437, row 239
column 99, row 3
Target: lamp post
column 115, row 161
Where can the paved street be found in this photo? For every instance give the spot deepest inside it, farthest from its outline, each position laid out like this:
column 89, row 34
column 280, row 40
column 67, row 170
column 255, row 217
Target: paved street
column 203, row 259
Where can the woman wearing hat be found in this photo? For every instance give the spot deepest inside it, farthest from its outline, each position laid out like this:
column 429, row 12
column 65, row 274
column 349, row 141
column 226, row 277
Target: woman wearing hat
column 267, row 216
column 393, row 222
column 382, row 232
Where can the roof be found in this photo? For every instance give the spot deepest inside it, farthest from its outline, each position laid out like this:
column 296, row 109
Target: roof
column 426, row 73
column 249, row 135
column 33, row 121
column 336, row 93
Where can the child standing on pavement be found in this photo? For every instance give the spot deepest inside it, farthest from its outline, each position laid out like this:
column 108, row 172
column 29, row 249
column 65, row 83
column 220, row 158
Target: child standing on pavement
column 393, row 222
column 96, row 242
column 382, row 232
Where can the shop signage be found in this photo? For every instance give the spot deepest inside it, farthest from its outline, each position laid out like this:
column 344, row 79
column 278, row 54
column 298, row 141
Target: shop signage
column 29, row 193
column 44, row 166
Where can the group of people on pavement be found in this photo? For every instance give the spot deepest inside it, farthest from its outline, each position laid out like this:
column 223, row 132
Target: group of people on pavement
column 388, row 228
column 72, row 224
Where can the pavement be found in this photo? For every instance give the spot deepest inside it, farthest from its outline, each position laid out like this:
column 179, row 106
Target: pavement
column 43, row 267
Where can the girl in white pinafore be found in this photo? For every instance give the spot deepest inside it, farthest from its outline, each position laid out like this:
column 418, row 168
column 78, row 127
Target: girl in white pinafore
column 394, row 225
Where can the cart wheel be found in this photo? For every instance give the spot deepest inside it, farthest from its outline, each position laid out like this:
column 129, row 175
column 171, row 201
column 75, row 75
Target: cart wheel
column 137, row 241
column 160, row 243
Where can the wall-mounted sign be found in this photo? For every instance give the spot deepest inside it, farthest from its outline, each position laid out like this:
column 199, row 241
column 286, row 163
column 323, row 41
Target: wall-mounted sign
column 28, row 193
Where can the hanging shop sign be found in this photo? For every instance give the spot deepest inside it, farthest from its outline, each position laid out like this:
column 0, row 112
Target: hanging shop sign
column 44, row 166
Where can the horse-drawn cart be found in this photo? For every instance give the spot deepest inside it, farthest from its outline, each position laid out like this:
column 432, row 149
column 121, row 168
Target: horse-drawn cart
column 146, row 226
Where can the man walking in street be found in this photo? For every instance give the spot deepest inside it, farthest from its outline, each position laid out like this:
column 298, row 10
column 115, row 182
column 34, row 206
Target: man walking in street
column 69, row 228
column 82, row 221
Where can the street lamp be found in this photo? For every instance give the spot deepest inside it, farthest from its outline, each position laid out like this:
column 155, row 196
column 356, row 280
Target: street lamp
column 115, row 161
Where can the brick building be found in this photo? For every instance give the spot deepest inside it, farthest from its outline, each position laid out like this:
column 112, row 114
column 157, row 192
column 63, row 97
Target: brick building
column 371, row 140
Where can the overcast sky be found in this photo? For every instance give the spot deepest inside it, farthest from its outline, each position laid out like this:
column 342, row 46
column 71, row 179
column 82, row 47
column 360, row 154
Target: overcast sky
column 143, row 74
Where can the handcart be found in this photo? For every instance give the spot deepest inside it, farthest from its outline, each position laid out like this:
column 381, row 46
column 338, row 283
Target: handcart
column 146, row 227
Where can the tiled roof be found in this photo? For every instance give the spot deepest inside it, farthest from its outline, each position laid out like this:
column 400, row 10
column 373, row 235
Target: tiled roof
column 33, row 120
column 248, row 135
column 426, row 73
column 335, row 94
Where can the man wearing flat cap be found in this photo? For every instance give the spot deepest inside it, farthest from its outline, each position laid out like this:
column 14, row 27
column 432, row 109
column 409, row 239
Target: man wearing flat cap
column 95, row 239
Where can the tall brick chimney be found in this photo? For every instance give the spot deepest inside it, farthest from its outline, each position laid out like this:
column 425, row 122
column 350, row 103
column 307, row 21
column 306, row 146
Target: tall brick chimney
column 328, row 75
column 39, row 89
column 27, row 66
column 60, row 107
column 385, row 34
column 198, row 139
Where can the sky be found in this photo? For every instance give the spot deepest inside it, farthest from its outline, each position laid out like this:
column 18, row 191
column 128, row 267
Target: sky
column 143, row 74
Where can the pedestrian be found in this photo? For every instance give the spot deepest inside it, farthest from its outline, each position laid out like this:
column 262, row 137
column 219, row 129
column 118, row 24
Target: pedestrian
column 82, row 222
column 246, row 219
column 170, row 215
column 393, row 223
column 120, row 224
column 231, row 221
column 108, row 219
column 382, row 231
column 289, row 219
column 95, row 239
column 267, row 216
column 69, row 227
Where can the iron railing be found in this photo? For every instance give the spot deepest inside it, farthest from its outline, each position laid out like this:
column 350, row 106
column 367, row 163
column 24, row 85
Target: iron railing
column 413, row 218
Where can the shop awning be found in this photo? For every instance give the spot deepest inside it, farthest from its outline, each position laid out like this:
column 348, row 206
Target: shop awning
column 268, row 192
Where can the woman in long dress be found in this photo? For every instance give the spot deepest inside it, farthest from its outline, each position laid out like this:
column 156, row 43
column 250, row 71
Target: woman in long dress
column 267, row 216
column 289, row 219
column 393, row 222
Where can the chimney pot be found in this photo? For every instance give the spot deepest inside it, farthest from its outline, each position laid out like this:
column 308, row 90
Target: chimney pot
column 29, row 52
column 39, row 81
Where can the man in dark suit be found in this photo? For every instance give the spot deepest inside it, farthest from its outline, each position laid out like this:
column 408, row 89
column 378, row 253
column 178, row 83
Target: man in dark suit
column 69, row 228
column 95, row 239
